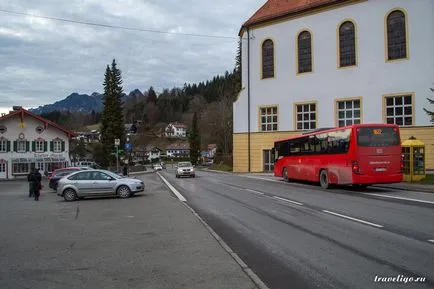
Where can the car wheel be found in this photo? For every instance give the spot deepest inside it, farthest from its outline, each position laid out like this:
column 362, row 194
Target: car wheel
column 69, row 195
column 124, row 192
column 324, row 179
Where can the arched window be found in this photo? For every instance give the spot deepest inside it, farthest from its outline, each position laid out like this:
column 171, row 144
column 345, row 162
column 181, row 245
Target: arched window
column 304, row 50
column 267, row 59
column 347, row 44
column 396, row 35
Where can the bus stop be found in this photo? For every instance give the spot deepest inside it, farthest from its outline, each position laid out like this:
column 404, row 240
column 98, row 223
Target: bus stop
column 413, row 153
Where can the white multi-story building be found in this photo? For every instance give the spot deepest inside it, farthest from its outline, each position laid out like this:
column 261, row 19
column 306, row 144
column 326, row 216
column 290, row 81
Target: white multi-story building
column 176, row 130
column 327, row 63
column 27, row 141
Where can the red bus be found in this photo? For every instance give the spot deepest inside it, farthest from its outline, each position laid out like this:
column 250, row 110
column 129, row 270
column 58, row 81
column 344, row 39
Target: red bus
column 358, row 155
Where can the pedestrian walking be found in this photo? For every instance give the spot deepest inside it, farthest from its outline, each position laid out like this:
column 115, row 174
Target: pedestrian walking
column 38, row 185
column 125, row 170
column 35, row 183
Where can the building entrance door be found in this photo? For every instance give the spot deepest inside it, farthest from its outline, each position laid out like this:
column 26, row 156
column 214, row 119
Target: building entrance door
column 3, row 169
column 268, row 161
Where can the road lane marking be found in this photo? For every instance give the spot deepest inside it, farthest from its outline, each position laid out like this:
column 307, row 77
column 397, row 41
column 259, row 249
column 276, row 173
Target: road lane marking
column 264, row 179
column 172, row 188
column 353, row 219
column 255, row 192
column 289, row 201
column 399, row 198
column 432, row 241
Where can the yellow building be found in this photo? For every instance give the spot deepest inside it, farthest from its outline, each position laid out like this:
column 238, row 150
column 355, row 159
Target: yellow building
column 316, row 64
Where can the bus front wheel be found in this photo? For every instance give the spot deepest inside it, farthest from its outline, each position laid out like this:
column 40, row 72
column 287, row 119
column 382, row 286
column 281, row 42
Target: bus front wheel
column 285, row 175
column 324, row 179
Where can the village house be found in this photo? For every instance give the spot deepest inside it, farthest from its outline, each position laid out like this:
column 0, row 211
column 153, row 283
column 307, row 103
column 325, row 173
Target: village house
column 27, row 141
column 177, row 130
column 178, row 150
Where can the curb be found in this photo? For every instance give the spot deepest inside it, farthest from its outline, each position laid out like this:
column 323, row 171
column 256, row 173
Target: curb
column 249, row 272
column 217, row 171
column 423, row 190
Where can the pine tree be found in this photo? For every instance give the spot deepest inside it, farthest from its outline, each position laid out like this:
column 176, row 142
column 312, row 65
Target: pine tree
column 112, row 121
column 237, row 70
column 152, row 96
column 194, row 140
column 430, row 112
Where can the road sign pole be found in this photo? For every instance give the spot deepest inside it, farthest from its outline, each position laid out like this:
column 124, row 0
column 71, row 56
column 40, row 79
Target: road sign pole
column 117, row 159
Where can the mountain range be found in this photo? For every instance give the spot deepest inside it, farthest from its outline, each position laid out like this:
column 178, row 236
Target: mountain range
column 76, row 102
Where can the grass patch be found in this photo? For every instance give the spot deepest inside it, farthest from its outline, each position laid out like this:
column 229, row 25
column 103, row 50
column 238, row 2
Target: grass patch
column 221, row 167
column 429, row 180
column 93, row 126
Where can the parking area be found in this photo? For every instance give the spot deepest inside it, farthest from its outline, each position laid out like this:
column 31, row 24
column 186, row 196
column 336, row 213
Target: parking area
column 148, row 241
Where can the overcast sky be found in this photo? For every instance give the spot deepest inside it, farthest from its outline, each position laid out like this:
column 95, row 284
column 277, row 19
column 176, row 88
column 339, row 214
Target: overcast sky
column 44, row 60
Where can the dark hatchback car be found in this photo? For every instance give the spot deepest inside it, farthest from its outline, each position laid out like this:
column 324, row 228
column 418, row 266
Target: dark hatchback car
column 56, row 175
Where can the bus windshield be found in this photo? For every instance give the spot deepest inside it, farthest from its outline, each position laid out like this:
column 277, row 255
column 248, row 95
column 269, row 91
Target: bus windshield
column 377, row 137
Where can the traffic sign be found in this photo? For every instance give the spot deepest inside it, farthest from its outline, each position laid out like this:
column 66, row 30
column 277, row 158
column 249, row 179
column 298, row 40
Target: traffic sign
column 117, row 142
column 128, row 146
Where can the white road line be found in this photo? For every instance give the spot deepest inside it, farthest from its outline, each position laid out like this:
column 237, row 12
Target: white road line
column 289, row 201
column 172, row 188
column 264, row 179
column 353, row 219
column 255, row 192
column 432, row 241
column 400, row 198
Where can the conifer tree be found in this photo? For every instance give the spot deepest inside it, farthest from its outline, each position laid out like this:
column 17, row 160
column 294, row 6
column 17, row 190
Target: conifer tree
column 194, row 140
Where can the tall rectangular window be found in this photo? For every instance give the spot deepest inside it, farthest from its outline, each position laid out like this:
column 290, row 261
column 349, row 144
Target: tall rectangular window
column 268, row 118
column 39, row 146
column 306, row 116
column 399, row 110
column 21, row 146
column 57, row 146
column 348, row 112
column 3, row 146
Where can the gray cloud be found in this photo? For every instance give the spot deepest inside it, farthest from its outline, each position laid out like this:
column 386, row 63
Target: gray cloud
column 45, row 60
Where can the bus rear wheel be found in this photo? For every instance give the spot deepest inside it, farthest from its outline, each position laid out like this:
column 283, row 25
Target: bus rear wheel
column 285, row 175
column 324, row 179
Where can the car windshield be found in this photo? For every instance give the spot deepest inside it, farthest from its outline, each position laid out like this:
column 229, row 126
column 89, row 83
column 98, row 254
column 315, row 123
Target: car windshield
column 185, row 164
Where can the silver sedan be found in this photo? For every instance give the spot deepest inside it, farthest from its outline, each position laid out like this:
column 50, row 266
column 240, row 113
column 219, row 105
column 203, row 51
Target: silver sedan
column 95, row 183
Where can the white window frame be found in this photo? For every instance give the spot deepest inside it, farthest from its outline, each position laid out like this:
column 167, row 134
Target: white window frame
column 268, row 118
column 23, row 147
column 3, row 145
column 57, row 146
column 39, row 146
column 309, row 111
column 350, row 108
column 403, row 106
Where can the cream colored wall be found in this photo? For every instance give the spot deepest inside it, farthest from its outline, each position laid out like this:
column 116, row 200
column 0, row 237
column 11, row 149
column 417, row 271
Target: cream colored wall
column 265, row 141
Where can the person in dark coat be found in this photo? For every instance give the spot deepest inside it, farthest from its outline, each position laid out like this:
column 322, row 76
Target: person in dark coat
column 125, row 170
column 35, row 179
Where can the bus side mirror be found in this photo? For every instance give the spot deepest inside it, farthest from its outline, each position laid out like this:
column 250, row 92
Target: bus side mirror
column 273, row 151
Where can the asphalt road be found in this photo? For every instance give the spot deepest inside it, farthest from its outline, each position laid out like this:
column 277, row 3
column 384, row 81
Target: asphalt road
column 150, row 241
column 301, row 236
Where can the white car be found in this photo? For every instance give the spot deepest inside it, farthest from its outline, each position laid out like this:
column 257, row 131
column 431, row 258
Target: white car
column 185, row 169
column 158, row 167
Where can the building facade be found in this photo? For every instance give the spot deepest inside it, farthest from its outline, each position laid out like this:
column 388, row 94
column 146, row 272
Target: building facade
column 27, row 141
column 178, row 151
column 328, row 63
column 178, row 130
